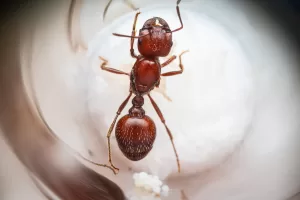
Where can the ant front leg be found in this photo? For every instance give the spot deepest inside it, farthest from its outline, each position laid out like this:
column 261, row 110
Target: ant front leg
column 172, row 73
column 132, row 36
column 122, row 106
column 168, row 130
column 167, row 62
column 115, row 71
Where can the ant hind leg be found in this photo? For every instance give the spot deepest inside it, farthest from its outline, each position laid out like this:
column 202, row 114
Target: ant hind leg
column 122, row 106
column 168, row 130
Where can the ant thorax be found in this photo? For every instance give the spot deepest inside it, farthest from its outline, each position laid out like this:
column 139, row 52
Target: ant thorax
column 145, row 75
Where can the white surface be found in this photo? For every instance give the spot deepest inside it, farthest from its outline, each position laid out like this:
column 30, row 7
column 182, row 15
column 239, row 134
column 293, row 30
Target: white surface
column 244, row 66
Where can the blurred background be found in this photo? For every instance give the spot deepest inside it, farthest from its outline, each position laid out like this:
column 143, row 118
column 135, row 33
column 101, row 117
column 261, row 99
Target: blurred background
column 235, row 124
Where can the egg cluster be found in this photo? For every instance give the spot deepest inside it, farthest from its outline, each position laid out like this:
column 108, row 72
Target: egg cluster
column 151, row 184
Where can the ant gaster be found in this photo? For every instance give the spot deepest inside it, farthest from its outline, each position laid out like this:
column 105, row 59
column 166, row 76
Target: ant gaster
column 136, row 132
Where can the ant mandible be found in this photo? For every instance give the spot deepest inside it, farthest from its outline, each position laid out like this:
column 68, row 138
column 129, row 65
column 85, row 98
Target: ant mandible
column 136, row 132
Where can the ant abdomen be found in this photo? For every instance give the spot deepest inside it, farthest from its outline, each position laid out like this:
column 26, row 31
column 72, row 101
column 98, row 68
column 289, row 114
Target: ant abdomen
column 135, row 136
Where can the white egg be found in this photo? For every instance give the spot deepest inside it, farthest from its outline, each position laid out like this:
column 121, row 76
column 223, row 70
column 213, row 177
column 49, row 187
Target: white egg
column 156, row 190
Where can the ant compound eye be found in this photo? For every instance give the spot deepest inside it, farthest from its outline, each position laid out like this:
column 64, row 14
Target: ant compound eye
column 139, row 41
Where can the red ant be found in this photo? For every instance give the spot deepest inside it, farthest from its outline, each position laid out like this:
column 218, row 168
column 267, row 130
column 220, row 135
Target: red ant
column 136, row 132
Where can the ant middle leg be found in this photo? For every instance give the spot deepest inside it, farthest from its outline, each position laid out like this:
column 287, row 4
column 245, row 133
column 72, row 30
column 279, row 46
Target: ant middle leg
column 172, row 73
column 111, row 70
column 168, row 130
column 122, row 106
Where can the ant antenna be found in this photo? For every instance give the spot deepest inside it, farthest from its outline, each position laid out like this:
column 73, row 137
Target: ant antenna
column 178, row 13
column 129, row 36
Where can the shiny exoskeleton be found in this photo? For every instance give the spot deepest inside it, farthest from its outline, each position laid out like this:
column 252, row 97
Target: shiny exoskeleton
column 136, row 132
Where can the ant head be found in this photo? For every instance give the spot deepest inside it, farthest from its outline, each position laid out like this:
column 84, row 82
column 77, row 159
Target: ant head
column 157, row 40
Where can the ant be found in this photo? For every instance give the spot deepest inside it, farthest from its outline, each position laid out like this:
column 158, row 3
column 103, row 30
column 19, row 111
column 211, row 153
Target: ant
column 136, row 132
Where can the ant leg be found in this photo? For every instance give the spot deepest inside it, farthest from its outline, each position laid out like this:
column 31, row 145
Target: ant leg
column 172, row 73
column 115, row 71
column 122, row 106
column 168, row 61
column 133, row 35
column 178, row 13
column 168, row 130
